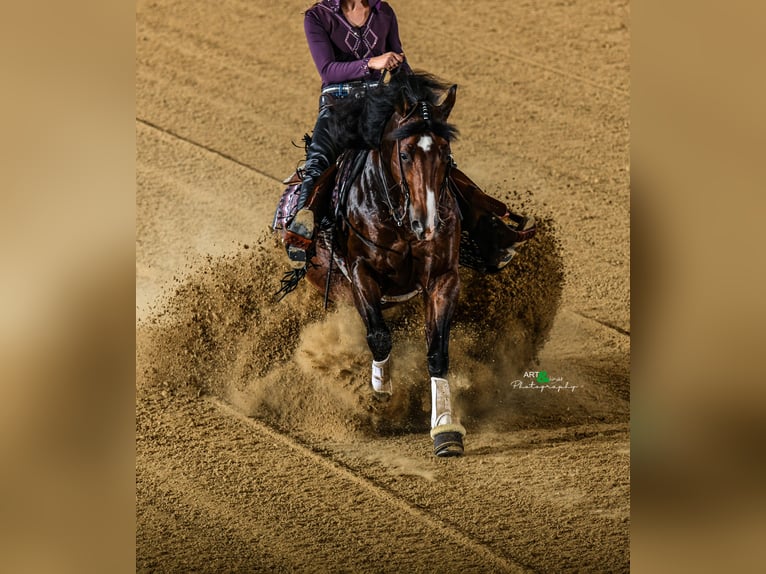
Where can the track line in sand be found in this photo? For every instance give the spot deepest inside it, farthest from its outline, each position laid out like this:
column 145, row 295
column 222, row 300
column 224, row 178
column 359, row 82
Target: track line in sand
column 254, row 169
column 512, row 55
column 207, row 148
column 553, row 70
column 607, row 324
column 427, row 519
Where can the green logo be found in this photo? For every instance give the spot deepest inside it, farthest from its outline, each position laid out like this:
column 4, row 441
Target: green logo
column 542, row 377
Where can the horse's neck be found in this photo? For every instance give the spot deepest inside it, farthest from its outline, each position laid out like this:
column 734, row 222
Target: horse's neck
column 372, row 190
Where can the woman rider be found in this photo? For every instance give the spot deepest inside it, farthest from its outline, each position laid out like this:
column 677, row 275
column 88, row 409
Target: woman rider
column 352, row 42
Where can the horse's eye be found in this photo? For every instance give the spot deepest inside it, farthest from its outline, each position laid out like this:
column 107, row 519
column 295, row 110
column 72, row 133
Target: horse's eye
column 404, row 156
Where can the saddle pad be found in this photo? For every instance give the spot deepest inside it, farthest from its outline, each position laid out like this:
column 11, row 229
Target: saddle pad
column 350, row 163
column 287, row 205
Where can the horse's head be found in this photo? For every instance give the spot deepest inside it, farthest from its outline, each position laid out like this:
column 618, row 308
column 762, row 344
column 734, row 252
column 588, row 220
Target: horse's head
column 420, row 158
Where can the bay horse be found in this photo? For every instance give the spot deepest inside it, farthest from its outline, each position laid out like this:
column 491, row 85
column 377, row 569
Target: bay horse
column 397, row 227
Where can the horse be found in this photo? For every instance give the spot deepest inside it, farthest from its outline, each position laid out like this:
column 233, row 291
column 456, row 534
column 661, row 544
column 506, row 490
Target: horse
column 396, row 230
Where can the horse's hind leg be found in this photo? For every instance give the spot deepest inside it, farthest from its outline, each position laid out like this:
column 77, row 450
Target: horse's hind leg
column 439, row 308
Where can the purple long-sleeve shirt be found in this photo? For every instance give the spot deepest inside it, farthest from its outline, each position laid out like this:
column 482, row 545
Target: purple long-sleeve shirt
column 341, row 51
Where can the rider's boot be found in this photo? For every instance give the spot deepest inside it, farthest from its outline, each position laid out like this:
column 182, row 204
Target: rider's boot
column 524, row 228
column 321, row 153
column 299, row 233
column 479, row 208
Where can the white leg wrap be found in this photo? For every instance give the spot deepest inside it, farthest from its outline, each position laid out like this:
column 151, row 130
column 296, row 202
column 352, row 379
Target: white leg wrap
column 381, row 377
column 441, row 406
column 441, row 409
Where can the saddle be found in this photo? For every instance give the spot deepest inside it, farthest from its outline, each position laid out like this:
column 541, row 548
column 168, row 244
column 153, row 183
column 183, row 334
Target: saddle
column 489, row 234
column 330, row 190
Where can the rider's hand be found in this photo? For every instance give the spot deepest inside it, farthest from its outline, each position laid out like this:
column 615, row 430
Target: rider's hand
column 387, row 61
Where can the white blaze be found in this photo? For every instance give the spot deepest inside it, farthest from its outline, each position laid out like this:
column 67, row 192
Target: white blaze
column 425, row 142
column 431, row 209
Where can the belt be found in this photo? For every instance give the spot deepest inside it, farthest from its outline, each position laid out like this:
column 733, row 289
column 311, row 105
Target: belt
column 348, row 88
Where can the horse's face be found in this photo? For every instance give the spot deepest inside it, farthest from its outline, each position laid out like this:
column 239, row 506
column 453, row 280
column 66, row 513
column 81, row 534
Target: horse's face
column 424, row 161
column 420, row 161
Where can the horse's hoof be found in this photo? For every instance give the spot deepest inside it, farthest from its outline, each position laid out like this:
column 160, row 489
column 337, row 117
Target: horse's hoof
column 448, row 444
column 448, row 439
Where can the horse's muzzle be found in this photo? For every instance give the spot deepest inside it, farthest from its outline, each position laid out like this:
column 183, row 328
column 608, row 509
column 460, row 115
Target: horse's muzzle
column 418, row 229
column 421, row 231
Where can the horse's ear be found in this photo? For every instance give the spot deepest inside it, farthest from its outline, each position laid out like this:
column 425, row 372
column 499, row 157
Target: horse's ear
column 449, row 102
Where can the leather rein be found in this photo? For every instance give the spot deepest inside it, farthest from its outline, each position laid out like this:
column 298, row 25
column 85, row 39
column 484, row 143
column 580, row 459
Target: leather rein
column 422, row 108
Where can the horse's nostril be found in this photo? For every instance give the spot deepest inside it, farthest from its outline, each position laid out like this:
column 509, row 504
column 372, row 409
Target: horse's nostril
column 417, row 227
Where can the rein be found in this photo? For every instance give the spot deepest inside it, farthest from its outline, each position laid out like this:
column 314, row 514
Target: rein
column 422, row 107
column 404, row 186
column 399, row 216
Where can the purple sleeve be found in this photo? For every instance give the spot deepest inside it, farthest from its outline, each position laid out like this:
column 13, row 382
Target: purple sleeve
column 322, row 52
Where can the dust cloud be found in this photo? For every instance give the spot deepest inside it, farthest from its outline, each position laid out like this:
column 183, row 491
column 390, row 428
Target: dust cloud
column 302, row 369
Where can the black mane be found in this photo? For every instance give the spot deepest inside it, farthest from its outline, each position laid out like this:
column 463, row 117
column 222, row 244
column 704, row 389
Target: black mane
column 360, row 123
column 438, row 128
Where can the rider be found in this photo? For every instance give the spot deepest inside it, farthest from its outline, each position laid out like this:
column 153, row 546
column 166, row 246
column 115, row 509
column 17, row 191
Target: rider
column 352, row 42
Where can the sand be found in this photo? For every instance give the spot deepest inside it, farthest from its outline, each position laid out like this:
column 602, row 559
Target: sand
column 258, row 444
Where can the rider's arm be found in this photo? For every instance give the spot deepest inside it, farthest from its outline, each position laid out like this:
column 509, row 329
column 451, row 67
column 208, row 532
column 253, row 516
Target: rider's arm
column 323, row 53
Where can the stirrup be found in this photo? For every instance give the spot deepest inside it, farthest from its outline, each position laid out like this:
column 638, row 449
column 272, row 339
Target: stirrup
column 298, row 238
column 524, row 227
column 302, row 224
column 525, row 231
column 296, row 256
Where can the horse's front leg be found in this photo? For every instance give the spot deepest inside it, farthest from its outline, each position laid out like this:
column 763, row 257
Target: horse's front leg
column 440, row 301
column 367, row 299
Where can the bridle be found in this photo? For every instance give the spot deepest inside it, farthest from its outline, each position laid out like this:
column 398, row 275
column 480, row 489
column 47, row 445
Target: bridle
column 421, row 107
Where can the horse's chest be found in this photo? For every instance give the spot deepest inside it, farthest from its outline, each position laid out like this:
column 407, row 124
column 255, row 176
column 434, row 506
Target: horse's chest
column 409, row 262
